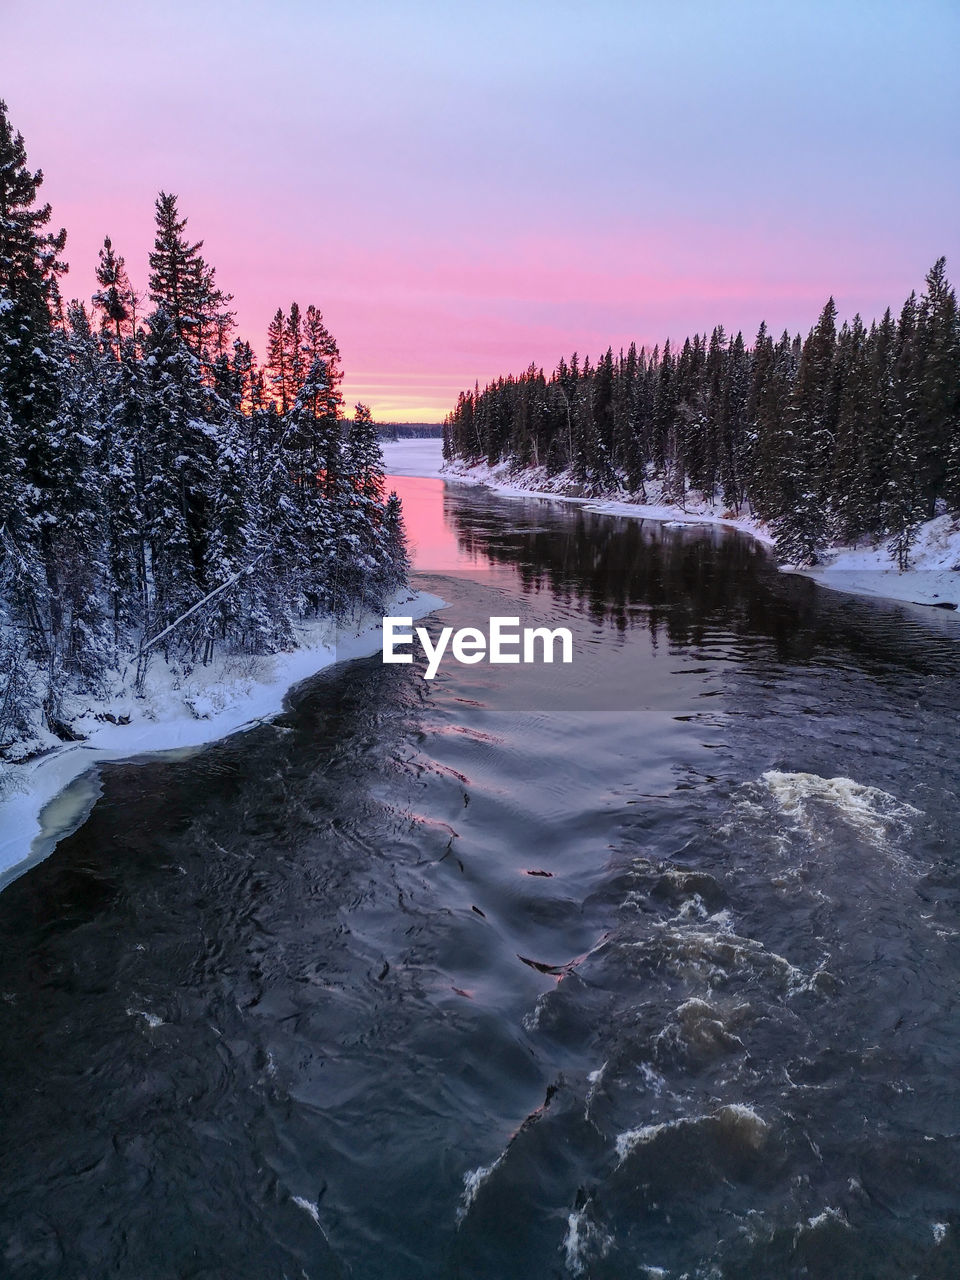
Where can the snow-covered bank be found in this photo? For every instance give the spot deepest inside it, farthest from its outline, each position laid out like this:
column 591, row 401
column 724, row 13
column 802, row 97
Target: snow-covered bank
column 932, row 579
column 46, row 798
column 424, row 458
column 535, row 482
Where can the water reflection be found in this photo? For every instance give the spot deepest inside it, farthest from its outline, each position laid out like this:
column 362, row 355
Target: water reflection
column 460, row 979
column 689, row 585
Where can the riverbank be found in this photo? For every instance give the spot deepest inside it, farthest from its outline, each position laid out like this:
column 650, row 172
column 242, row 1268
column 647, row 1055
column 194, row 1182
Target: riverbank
column 45, row 798
column 933, row 577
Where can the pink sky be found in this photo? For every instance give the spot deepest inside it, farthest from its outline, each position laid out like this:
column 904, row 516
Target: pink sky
column 465, row 189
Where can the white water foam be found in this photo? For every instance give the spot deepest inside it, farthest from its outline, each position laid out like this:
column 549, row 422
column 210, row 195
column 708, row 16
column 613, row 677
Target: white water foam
column 873, row 814
column 736, row 1119
column 584, row 1240
column 712, row 954
column 308, row 1207
column 472, row 1182
column 594, row 1080
column 825, row 1217
column 150, row 1019
column 700, row 1027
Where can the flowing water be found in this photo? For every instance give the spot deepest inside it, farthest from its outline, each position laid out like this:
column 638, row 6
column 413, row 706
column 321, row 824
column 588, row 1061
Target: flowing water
column 645, row 966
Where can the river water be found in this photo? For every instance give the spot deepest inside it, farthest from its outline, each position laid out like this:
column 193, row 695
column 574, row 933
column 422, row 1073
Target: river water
column 644, row 966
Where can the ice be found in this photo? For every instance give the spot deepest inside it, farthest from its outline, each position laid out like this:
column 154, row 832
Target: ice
column 423, row 458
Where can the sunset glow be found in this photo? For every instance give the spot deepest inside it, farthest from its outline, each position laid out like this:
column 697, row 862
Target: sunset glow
column 465, row 189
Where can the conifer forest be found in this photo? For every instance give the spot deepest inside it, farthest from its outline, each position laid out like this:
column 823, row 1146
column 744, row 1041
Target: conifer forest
column 162, row 492
column 850, row 434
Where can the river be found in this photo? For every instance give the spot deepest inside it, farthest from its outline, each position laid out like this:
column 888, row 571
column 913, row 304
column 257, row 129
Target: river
column 643, row 966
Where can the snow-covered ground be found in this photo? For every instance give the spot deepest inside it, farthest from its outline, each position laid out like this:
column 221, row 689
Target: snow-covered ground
column 933, row 576
column 535, row 482
column 422, row 458
column 932, row 579
column 46, row 798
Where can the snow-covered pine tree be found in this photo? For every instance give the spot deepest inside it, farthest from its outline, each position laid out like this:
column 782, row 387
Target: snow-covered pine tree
column 849, row 479
column 183, row 284
column 395, row 557
column 30, row 268
column 76, row 548
column 278, row 366
column 179, row 459
column 121, row 466
column 936, row 373
column 114, row 298
column 364, row 455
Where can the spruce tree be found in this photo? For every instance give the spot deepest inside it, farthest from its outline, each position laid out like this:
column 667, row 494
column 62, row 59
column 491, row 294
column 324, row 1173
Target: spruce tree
column 30, row 267
column 184, row 286
column 114, row 299
column 364, row 456
column 937, row 376
column 278, row 363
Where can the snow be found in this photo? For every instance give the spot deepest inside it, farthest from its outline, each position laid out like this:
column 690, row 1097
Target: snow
column 933, row 577
column 425, row 458
column 47, row 798
column 422, row 458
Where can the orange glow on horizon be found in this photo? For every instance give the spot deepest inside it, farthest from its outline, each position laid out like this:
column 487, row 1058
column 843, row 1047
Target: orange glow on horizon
column 427, row 399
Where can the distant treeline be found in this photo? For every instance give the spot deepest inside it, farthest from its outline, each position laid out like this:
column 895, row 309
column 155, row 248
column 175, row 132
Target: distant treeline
column 410, row 430
column 158, row 490
column 851, row 433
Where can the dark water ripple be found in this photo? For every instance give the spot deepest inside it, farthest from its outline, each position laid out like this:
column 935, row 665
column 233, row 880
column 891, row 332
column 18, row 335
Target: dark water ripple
column 649, row 963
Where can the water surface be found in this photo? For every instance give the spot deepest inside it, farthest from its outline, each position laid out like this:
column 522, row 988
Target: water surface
column 648, row 962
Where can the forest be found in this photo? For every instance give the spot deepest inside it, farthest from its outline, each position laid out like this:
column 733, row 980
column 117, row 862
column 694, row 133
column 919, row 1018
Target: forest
column 162, row 493
column 850, row 434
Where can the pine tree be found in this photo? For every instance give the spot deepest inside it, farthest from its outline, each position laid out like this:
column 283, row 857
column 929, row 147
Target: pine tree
column 30, row 267
column 76, row 561
column 115, row 298
column 278, row 366
column 179, row 465
column 364, row 456
column 184, row 286
column 121, row 464
column 293, row 345
column 937, row 376
column 395, row 558
column 320, row 344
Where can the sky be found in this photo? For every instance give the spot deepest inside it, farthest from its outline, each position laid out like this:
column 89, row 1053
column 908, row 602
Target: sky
column 463, row 188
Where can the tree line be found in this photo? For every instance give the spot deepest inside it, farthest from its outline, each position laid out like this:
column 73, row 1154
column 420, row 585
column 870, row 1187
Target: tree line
column 152, row 471
column 852, row 433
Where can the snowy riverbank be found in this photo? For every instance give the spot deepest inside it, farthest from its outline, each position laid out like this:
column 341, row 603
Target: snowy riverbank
column 932, row 579
column 46, row 798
